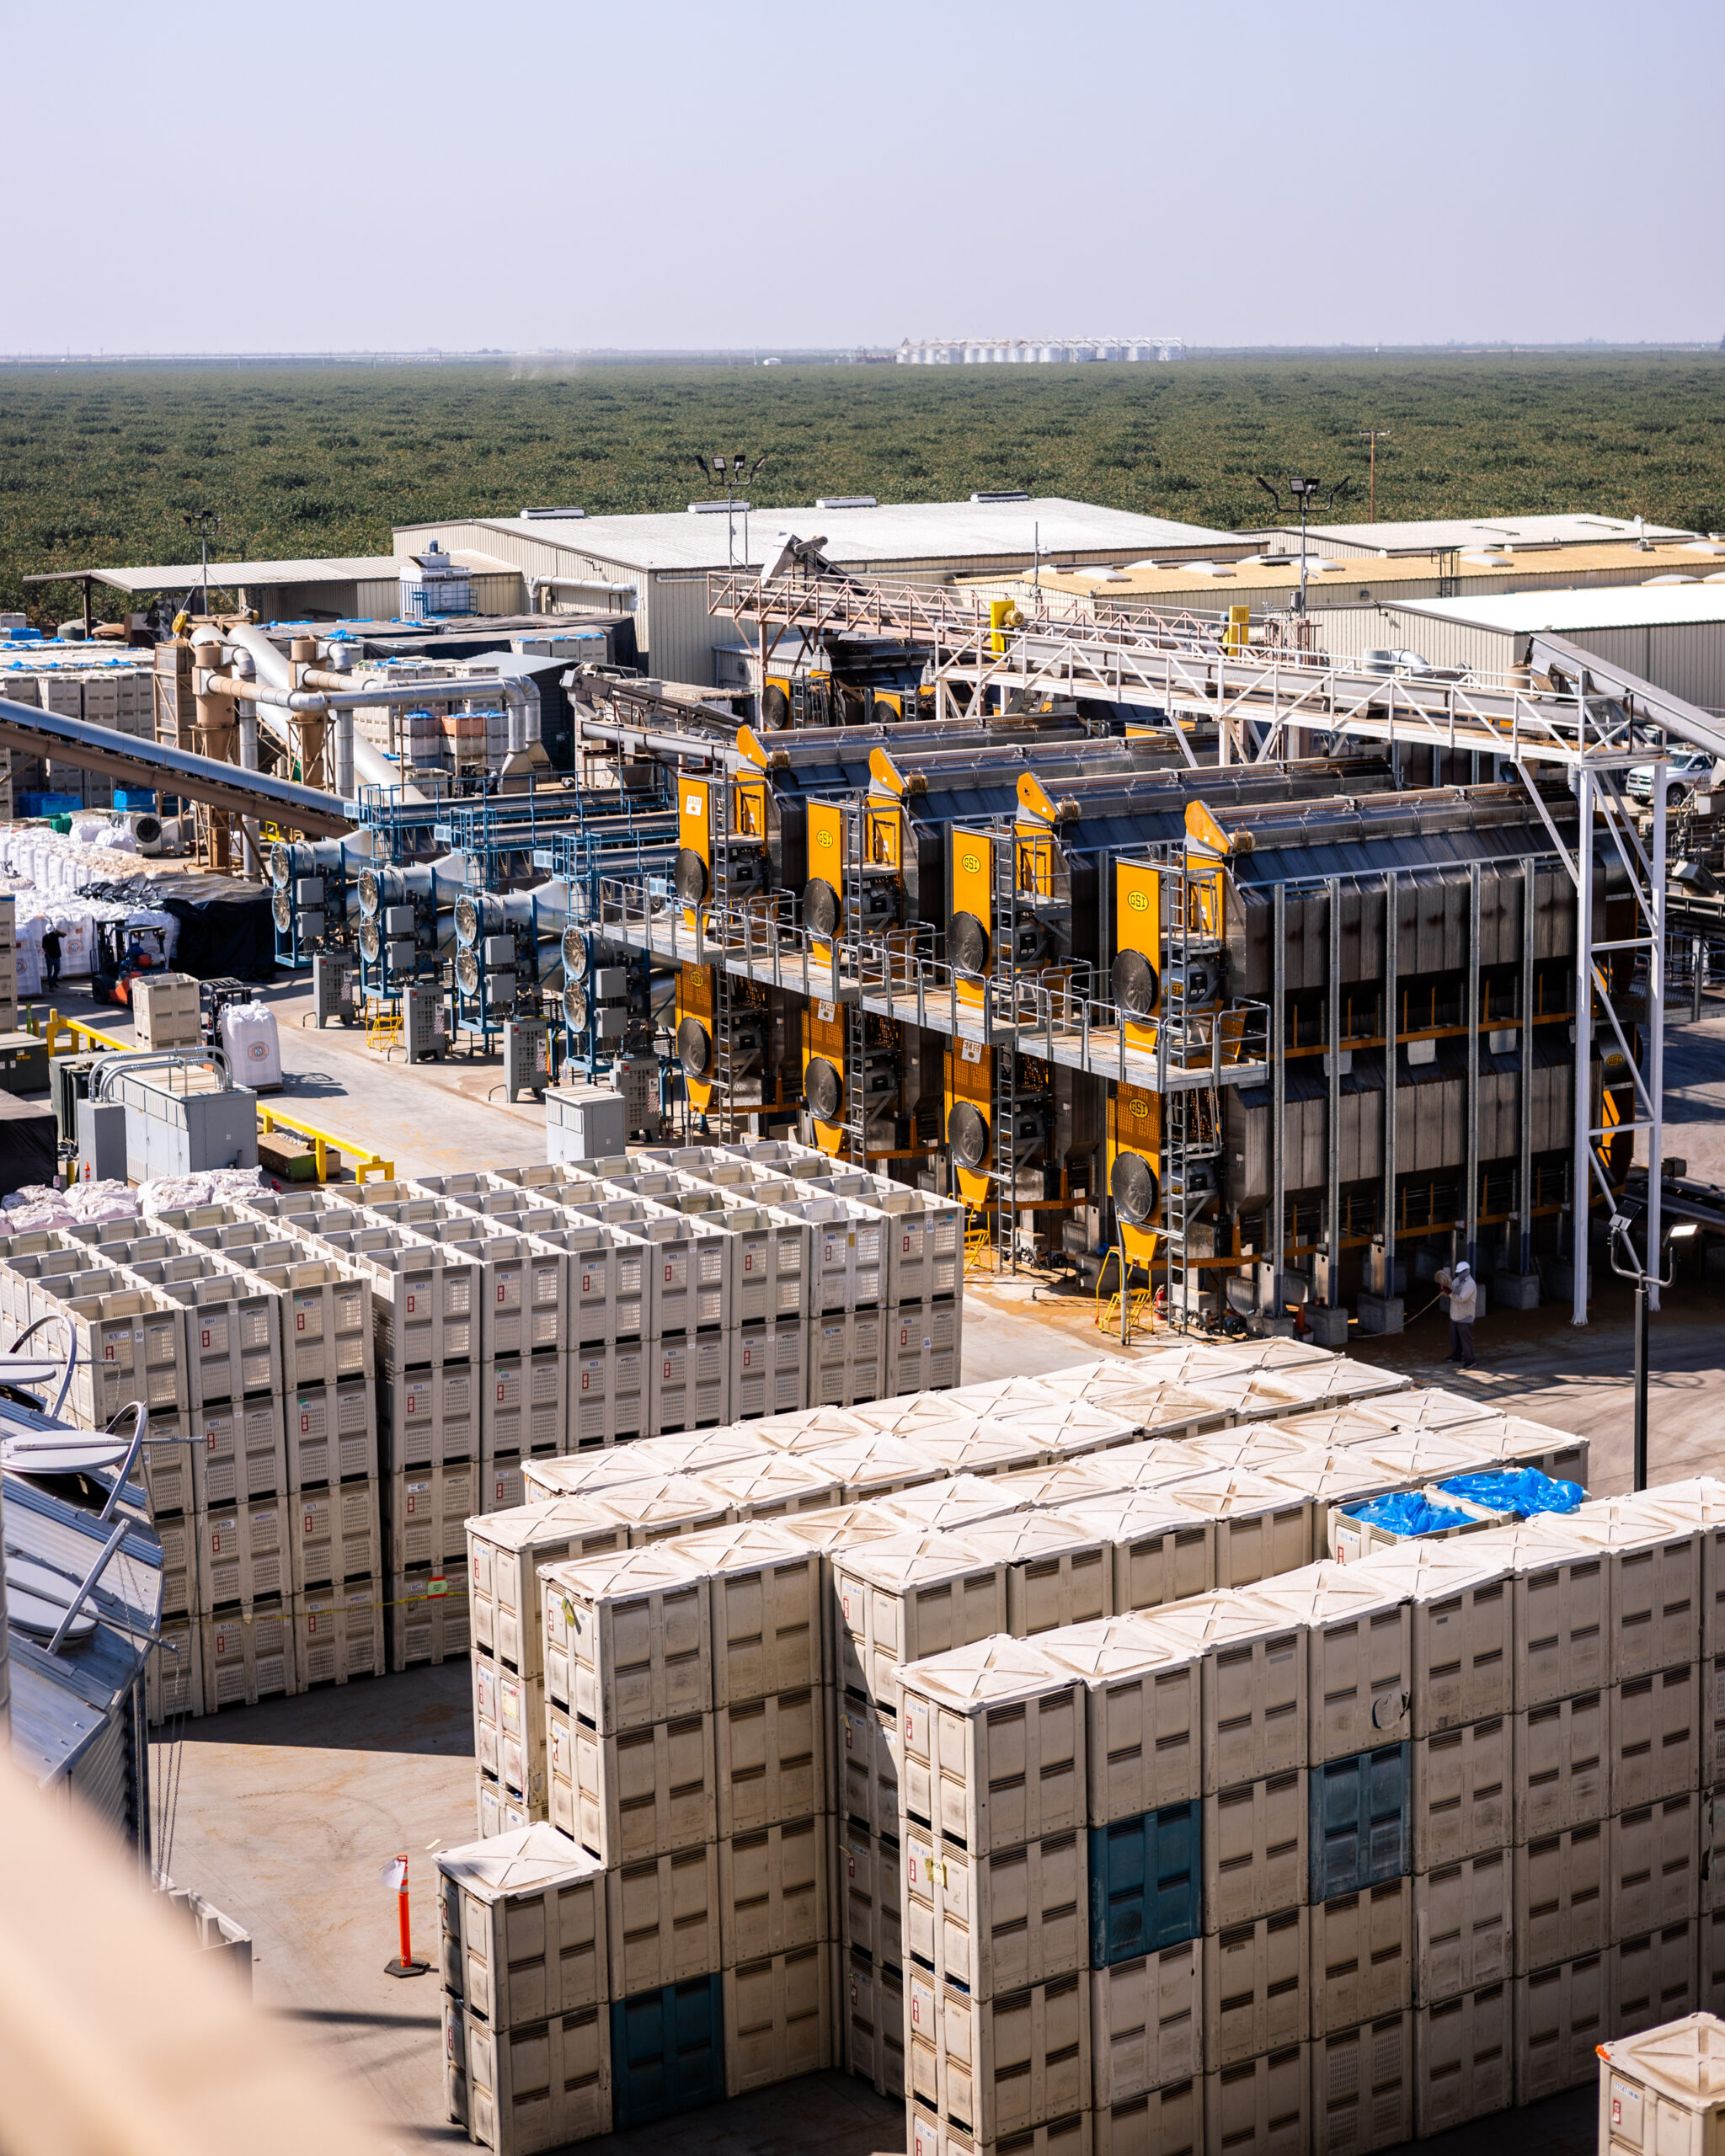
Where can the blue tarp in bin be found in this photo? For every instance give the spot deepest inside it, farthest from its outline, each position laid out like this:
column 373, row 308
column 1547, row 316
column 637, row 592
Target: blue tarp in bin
column 1523, row 1490
column 1408, row 1512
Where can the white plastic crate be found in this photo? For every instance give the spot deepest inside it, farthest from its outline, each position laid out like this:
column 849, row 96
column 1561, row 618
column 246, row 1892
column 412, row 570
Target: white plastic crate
column 1655, row 1734
column 1699, row 1504
column 1055, row 1570
column 1143, row 1716
column 1263, row 1528
column 871, row 1893
column 869, row 1764
column 873, row 2005
column 236, row 1452
column 1461, row 1639
column 646, row 1793
column 542, row 2086
column 427, row 1615
column 1055, row 1487
column 335, row 1534
column 326, row 1320
column 1165, row 2122
column 1146, row 2023
column 608, row 1394
column 1562, row 1619
column 130, row 1349
column 689, row 1381
column 504, row 1552
column 997, row 1923
column 248, row 1655
column 876, row 1462
column 1663, row 2090
column 1654, row 1978
column 763, row 1592
column 662, row 1920
column 1654, row 1583
column 1151, row 1395
column 924, row 1346
column 1004, row 2066
column 524, row 1286
column 769, row 1366
column 848, row 1525
column 907, row 1596
column 773, row 1486
column 1464, row 1926
column 925, row 1244
column 1516, row 1443
column 808, row 1429
column 1263, row 2103
column 956, row 1502
column 689, row 1274
column 1560, row 2019
column 778, row 2016
column 1563, row 1764
column 509, row 1731
column 1255, row 1842
column 1463, row 1794
column 165, row 1468
column 1362, row 2087
column 595, row 1473
column 607, row 1282
column 847, row 1357
column 1362, row 1956
column 656, row 1507
column 1360, row 1678
column 523, row 1926
column 173, row 1678
column 1464, row 2057
column 232, row 1327
column 332, row 1433
column 847, row 1254
column 427, row 1417
column 1654, row 1865
column 1066, row 1429
column 770, row 1267
column 1259, row 1448
column 772, row 1758
column 993, row 1745
column 243, row 1553
column 339, row 1633
column 1253, row 1677
column 1156, row 1551
column 178, row 1535
column 426, row 1512
column 1256, row 1984
column 693, row 1452
column 774, row 1890
column 1711, row 1976
column 628, row 1639
column 523, row 1405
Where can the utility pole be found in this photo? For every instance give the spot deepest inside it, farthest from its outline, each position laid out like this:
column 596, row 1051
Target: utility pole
column 1302, row 491
column 1373, row 435
column 203, row 522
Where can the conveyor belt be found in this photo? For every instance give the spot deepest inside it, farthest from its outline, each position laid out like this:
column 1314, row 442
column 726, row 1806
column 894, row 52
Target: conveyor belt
column 151, row 764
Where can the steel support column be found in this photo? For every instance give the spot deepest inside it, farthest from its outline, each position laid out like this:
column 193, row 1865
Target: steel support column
column 1581, row 1174
column 1332, row 1114
column 1391, row 1029
column 1470, row 1215
column 1279, row 1091
column 1523, row 1177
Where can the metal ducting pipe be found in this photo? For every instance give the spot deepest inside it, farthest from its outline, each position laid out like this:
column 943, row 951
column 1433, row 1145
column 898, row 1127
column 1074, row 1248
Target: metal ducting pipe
column 318, row 857
column 588, row 586
column 479, row 914
column 382, row 886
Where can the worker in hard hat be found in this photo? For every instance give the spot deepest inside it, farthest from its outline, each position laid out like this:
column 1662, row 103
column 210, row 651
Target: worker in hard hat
column 1463, row 1291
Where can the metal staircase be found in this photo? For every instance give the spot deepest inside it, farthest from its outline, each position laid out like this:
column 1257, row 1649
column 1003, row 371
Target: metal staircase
column 726, row 986
column 1003, row 1163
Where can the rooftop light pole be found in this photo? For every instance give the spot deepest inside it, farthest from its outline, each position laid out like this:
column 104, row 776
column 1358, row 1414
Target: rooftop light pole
column 1636, row 1271
column 203, row 522
column 1302, row 490
column 728, row 472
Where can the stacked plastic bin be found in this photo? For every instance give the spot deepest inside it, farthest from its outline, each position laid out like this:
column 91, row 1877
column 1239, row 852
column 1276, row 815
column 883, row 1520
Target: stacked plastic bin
column 524, row 1955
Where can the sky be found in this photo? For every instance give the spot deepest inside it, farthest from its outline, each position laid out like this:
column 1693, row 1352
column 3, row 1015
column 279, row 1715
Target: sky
column 372, row 177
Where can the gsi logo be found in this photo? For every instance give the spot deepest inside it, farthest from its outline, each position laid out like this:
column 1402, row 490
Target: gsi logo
column 971, row 863
column 1138, row 901
column 824, row 839
column 1138, row 1108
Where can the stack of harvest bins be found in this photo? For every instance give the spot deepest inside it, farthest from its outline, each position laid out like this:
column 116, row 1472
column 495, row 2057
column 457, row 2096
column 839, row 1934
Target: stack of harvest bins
column 522, row 1950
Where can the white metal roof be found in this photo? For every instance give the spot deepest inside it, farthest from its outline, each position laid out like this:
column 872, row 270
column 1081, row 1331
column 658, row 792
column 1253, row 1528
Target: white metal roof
column 903, row 531
column 1604, row 606
column 327, row 569
column 1574, row 529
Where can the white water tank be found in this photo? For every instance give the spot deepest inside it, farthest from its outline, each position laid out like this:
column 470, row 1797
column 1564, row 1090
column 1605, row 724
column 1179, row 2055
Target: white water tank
column 253, row 1046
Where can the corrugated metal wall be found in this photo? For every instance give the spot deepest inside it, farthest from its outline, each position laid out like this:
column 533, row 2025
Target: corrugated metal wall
column 1687, row 658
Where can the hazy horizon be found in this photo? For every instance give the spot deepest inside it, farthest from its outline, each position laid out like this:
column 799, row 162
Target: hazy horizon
column 705, row 182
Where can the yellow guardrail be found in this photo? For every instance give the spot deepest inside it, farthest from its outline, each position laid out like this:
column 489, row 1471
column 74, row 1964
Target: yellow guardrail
column 366, row 1162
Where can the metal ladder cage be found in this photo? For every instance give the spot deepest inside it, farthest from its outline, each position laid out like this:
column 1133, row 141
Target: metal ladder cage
column 1188, row 1039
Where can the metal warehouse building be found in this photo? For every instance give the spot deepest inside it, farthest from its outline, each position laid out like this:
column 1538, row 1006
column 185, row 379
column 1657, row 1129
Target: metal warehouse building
column 1672, row 635
column 666, row 558
column 1444, row 535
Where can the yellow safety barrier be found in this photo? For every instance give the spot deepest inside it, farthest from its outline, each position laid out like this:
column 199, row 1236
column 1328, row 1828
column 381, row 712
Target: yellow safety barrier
column 366, row 1162
column 382, row 1026
column 978, row 1242
column 1140, row 1302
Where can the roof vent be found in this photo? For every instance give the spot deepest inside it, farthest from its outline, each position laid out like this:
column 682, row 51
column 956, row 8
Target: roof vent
column 718, row 509
column 537, row 514
column 845, row 501
column 1003, row 495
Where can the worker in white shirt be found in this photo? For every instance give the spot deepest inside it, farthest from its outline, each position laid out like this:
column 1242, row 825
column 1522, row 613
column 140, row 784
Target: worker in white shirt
column 1463, row 1291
